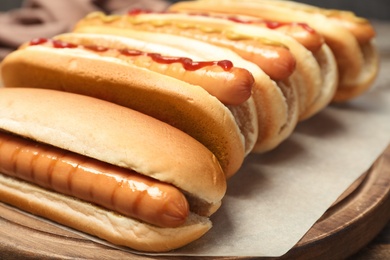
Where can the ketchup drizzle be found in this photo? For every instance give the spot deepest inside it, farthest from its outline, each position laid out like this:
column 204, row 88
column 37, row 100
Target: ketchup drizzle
column 269, row 24
column 188, row 64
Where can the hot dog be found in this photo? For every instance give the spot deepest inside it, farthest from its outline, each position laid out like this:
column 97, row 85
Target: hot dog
column 206, row 74
column 276, row 102
column 88, row 157
column 313, row 74
column 350, row 38
column 81, row 66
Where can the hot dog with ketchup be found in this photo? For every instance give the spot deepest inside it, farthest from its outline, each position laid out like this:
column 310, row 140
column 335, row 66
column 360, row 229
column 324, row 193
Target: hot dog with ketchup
column 88, row 158
column 312, row 71
column 277, row 102
column 148, row 81
column 350, row 38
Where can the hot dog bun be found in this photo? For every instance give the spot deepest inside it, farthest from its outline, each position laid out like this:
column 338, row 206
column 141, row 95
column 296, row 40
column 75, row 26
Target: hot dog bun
column 185, row 106
column 118, row 136
column 276, row 102
column 351, row 38
column 315, row 73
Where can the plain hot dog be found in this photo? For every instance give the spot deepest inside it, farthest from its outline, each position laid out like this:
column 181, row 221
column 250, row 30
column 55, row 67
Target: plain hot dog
column 56, row 150
column 116, row 78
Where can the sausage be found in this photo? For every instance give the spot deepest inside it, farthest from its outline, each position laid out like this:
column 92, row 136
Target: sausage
column 236, row 85
column 118, row 189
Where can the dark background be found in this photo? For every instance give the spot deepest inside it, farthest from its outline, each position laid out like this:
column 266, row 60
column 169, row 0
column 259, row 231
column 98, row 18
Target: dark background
column 372, row 9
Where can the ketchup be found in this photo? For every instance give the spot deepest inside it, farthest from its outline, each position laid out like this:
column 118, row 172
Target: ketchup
column 269, row 24
column 188, row 64
column 137, row 11
column 55, row 43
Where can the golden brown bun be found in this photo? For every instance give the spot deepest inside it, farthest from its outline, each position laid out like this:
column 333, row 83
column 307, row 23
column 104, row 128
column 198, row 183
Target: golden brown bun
column 348, row 36
column 187, row 107
column 119, row 136
column 277, row 114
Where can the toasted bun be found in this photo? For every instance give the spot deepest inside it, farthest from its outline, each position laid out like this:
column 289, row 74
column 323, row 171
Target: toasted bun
column 277, row 114
column 353, row 49
column 121, row 137
column 187, row 107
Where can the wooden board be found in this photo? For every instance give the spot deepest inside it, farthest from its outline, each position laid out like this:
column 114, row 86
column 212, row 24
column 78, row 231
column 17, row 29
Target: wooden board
column 354, row 220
